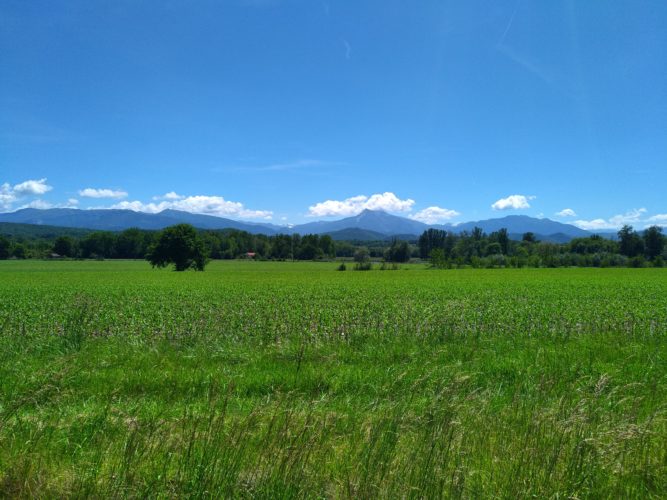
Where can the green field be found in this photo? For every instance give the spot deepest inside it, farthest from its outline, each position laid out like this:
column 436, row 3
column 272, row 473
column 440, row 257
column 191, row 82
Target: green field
column 295, row 380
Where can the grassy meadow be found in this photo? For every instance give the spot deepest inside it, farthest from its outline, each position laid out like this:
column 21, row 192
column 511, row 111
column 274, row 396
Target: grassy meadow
column 281, row 380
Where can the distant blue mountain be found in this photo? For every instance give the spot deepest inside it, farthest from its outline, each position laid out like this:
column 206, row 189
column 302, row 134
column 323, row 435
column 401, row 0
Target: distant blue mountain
column 371, row 220
column 117, row 220
column 390, row 225
column 520, row 224
column 369, row 224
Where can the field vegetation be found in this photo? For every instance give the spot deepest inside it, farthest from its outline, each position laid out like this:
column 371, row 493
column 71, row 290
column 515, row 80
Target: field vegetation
column 281, row 379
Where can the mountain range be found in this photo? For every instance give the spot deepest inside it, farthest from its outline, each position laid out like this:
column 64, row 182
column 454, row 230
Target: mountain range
column 365, row 226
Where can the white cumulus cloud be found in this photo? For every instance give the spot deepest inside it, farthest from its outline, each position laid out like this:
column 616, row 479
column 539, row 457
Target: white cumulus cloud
column 388, row 202
column 513, row 202
column 32, row 187
column 7, row 196
column 207, row 205
column 102, row 193
column 171, row 195
column 433, row 215
column 566, row 212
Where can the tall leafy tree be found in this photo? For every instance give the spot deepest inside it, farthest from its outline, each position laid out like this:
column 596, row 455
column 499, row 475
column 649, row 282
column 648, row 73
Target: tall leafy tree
column 630, row 243
column 64, row 246
column 654, row 241
column 181, row 246
column 5, row 248
column 399, row 251
column 430, row 240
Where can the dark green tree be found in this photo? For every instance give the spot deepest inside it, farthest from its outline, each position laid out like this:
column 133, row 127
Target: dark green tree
column 399, row 251
column 654, row 241
column 179, row 245
column 493, row 248
column 327, row 245
column 98, row 244
column 438, row 259
column 281, row 247
column 630, row 243
column 361, row 255
column 5, row 245
column 363, row 259
column 529, row 237
column 130, row 244
column 20, row 251
column 64, row 246
column 503, row 239
column 429, row 240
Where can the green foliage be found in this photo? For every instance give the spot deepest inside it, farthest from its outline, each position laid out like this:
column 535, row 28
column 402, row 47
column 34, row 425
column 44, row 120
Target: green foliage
column 64, row 246
column 20, row 251
column 5, row 248
column 430, row 240
column 630, row 243
column 438, row 258
column 475, row 249
column 399, row 251
column 181, row 246
column 529, row 237
column 361, row 255
column 654, row 241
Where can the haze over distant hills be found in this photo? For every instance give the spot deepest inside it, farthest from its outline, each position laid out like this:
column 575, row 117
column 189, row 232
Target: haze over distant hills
column 367, row 225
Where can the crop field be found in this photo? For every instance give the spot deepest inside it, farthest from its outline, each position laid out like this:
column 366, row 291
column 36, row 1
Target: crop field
column 281, row 380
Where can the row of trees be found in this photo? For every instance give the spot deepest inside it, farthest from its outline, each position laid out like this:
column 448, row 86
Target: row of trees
column 468, row 248
column 479, row 249
column 137, row 244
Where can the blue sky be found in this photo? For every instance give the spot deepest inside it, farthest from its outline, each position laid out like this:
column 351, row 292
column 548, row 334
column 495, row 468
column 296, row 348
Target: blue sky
column 294, row 110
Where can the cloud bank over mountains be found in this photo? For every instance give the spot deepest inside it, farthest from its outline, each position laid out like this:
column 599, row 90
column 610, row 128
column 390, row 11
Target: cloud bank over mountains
column 10, row 194
column 29, row 194
column 386, row 201
column 207, row 205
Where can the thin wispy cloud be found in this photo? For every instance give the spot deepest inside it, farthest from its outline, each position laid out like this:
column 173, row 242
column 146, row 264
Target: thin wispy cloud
column 297, row 165
column 45, row 205
column 509, row 23
column 348, row 49
column 658, row 219
column 531, row 66
column 631, row 217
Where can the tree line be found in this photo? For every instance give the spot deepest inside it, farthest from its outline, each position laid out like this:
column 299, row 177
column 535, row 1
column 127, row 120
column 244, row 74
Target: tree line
column 136, row 244
column 476, row 248
column 441, row 248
